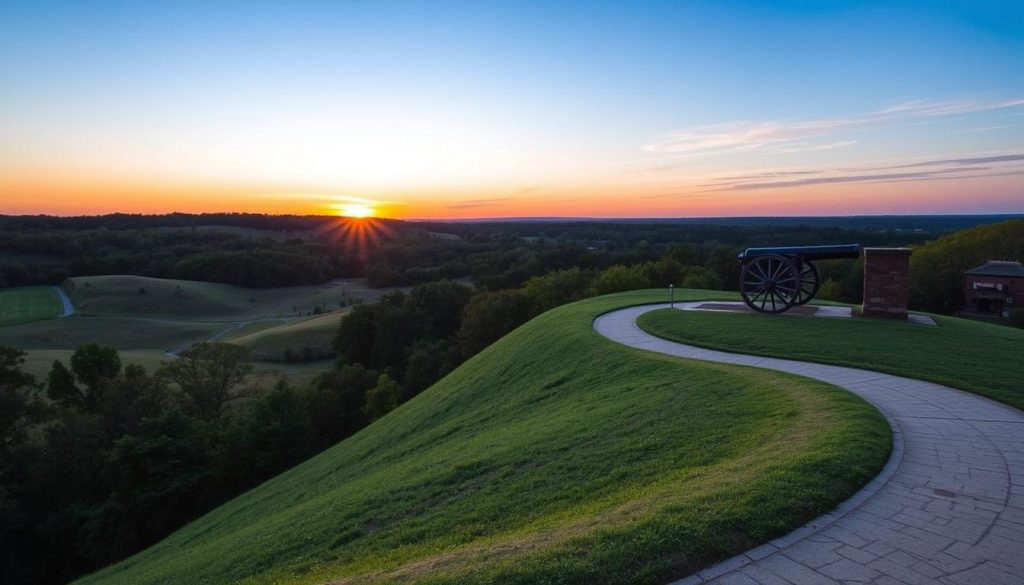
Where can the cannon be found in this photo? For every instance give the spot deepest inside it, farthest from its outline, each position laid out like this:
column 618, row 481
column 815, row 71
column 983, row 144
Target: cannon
column 773, row 280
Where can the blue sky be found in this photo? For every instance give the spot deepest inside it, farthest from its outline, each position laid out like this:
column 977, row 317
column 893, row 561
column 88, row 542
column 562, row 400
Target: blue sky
column 423, row 107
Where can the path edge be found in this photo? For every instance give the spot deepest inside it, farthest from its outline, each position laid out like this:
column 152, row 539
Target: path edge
column 812, row 527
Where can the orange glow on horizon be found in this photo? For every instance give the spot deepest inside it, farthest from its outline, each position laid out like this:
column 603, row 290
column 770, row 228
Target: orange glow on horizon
column 84, row 194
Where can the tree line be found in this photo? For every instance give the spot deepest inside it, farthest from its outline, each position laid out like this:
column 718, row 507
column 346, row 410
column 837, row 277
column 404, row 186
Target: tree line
column 262, row 251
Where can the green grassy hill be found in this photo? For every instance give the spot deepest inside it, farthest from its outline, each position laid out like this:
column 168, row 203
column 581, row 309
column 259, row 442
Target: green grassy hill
column 139, row 296
column 267, row 338
column 554, row 456
column 977, row 357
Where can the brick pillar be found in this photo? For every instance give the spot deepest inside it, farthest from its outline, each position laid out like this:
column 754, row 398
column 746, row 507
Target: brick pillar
column 886, row 282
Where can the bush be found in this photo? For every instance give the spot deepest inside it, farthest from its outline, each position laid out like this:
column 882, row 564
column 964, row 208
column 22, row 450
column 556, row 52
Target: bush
column 489, row 316
column 620, row 278
column 1017, row 318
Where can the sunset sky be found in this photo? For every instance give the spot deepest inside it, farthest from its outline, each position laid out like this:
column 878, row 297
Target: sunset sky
column 486, row 109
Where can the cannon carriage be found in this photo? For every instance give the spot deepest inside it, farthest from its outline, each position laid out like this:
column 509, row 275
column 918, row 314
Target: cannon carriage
column 773, row 280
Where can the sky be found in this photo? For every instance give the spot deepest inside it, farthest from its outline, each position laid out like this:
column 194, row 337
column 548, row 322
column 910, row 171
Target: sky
column 512, row 109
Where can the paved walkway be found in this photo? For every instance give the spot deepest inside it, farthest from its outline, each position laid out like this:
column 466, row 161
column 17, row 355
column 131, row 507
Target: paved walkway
column 66, row 307
column 948, row 507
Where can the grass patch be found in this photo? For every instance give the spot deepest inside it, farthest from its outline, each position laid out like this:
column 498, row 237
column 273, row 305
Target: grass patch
column 27, row 304
column 122, row 333
column 554, row 456
column 140, row 296
column 315, row 333
column 969, row 355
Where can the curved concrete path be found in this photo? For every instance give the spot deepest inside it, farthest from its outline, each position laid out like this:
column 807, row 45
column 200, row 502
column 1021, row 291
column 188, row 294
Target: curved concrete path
column 67, row 308
column 948, row 507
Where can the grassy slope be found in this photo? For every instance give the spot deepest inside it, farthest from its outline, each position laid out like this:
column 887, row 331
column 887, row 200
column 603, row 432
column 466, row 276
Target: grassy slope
column 118, row 296
column 977, row 357
column 553, row 456
column 32, row 303
column 314, row 332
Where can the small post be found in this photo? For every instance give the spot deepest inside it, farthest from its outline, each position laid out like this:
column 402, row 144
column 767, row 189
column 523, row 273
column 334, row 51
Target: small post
column 671, row 296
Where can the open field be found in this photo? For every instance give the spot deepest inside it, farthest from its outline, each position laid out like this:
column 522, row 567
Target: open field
column 24, row 305
column 173, row 314
column 269, row 338
column 139, row 296
column 554, row 456
column 119, row 332
column 977, row 357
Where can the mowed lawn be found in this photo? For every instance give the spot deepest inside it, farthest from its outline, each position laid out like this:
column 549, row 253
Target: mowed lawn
column 554, row 456
column 139, row 296
column 23, row 305
column 977, row 357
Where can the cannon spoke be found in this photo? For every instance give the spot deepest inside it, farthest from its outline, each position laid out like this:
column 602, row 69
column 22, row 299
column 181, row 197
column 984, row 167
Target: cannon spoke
column 809, row 283
column 769, row 284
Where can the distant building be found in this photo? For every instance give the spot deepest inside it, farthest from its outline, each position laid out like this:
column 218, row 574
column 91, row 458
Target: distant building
column 994, row 288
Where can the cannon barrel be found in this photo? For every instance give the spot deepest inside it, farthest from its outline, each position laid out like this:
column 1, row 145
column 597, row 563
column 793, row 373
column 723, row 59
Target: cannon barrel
column 809, row 253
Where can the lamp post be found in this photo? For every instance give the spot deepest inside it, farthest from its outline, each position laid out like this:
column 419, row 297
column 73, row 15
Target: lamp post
column 671, row 296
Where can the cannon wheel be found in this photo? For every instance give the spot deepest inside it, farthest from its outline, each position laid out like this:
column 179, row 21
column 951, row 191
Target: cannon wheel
column 810, row 282
column 769, row 283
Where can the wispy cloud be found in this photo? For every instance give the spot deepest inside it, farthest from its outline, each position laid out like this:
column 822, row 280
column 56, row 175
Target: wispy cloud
column 810, row 147
column 990, row 128
column 747, row 135
column 945, row 168
column 474, row 203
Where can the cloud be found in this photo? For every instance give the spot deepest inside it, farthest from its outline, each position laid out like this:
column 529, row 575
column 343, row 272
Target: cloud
column 809, row 148
column 474, row 203
column 962, row 161
column 748, row 135
column 953, row 168
column 967, row 166
column 990, row 128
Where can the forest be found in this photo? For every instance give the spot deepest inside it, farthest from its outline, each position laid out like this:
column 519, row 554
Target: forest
column 269, row 251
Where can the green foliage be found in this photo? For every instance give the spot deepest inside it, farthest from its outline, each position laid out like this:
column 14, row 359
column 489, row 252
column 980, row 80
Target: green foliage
column 489, row 316
column 937, row 268
column 383, row 334
column 1017, row 318
column 382, row 399
column 161, row 472
column 20, row 407
column 61, row 386
column 443, row 303
column 969, row 355
column 93, row 363
column 557, row 288
column 276, row 433
column 207, row 373
column 620, row 278
column 724, row 263
column 683, row 254
column 831, row 290
column 336, row 401
column 429, row 361
column 99, row 483
column 698, row 277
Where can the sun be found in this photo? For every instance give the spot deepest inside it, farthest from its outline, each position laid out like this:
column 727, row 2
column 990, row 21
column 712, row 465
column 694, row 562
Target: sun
column 355, row 210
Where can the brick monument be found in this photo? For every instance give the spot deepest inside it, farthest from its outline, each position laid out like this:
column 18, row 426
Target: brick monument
column 886, row 282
